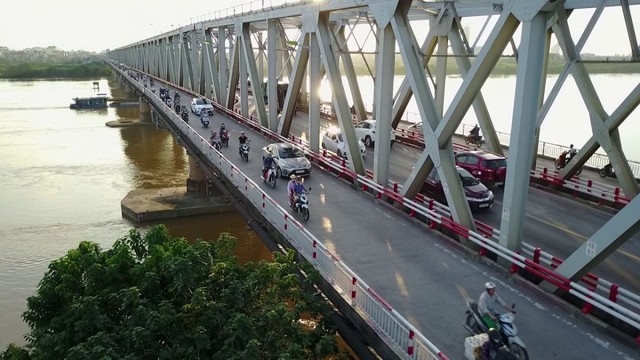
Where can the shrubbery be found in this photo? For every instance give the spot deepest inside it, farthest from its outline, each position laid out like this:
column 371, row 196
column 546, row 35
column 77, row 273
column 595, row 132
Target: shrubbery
column 157, row 297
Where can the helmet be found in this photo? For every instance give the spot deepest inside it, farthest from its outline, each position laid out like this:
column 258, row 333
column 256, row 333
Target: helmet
column 241, row 132
column 292, row 177
column 571, row 146
column 489, row 285
column 221, row 125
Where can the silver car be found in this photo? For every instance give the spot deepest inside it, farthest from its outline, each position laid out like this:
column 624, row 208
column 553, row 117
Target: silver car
column 288, row 159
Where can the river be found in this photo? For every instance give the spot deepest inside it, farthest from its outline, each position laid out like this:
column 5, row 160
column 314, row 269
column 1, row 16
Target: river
column 63, row 176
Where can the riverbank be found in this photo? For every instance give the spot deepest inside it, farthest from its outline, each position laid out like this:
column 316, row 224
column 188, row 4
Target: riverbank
column 40, row 70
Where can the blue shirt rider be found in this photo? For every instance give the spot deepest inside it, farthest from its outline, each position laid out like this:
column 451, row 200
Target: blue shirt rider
column 267, row 163
column 298, row 188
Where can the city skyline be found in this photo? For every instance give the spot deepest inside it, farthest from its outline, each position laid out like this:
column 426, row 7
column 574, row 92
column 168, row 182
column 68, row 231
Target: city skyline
column 118, row 23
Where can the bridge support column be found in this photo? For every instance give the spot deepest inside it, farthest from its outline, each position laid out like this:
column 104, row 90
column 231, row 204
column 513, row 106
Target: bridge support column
column 197, row 181
column 145, row 111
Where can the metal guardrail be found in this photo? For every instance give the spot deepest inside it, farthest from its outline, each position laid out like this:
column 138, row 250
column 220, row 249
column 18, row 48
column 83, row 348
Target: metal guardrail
column 394, row 329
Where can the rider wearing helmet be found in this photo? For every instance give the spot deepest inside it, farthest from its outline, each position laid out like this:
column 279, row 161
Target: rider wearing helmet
column 298, row 188
column 242, row 139
column 267, row 163
column 487, row 305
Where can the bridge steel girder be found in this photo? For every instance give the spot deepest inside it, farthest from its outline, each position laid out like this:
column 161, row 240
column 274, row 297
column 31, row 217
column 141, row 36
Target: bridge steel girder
column 315, row 80
column 212, row 86
column 350, row 73
column 223, row 71
column 295, row 83
column 383, row 95
column 529, row 82
column 234, row 75
column 433, row 155
column 256, row 81
column 404, row 93
column 356, row 163
column 607, row 239
column 479, row 105
column 272, row 77
column 243, row 74
column 607, row 137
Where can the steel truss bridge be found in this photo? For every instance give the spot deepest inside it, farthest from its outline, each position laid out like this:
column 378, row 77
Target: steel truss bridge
column 303, row 42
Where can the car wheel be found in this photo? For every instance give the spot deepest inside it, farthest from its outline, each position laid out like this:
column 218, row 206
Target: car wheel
column 368, row 142
column 339, row 153
column 324, row 146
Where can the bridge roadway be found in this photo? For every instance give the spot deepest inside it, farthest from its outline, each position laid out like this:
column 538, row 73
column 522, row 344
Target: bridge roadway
column 423, row 275
column 556, row 223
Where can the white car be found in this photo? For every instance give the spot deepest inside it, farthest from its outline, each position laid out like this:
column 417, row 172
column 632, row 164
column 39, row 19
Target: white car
column 332, row 141
column 199, row 104
column 366, row 130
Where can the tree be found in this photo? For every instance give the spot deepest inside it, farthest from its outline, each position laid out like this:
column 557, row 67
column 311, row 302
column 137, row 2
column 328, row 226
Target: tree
column 157, row 297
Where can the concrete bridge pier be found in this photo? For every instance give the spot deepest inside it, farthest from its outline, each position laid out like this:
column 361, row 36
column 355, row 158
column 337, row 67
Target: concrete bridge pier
column 145, row 110
column 197, row 183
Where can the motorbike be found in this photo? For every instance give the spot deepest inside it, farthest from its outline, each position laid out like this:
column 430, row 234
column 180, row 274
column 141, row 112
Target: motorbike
column 302, row 205
column 607, row 170
column 244, row 151
column 224, row 137
column 216, row 144
column 168, row 101
column 507, row 330
column 269, row 176
column 184, row 113
column 204, row 121
column 473, row 139
column 562, row 161
column 177, row 105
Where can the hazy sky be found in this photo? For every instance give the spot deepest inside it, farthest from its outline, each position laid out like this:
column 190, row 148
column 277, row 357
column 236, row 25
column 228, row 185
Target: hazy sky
column 96, row 26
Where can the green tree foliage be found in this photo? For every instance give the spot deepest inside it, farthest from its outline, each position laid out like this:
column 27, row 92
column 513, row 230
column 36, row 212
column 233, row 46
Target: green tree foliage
column 31, row 70
column 157, row 297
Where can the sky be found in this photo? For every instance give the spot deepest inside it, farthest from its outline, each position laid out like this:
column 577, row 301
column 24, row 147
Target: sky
column 97, row 26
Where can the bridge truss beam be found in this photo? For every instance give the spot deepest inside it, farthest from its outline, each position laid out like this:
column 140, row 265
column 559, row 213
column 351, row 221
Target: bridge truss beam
column 217, row 56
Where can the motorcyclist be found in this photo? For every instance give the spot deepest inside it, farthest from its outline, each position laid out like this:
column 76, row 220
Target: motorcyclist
column 242, row 139
column 290, row 189
column 214, row 136
column 203, row 116
column 267, row 163
column 298, row 189
column 572, row 152
column 486, row 305
column 223, row 132
column 475, row 132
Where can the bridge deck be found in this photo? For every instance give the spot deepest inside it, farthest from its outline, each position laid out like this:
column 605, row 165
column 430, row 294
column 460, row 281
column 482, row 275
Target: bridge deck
column 423, row 275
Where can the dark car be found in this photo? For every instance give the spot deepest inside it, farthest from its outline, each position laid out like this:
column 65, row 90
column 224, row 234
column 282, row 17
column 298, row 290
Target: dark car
column 288, row 159
column 488, row 167
column 478, row 196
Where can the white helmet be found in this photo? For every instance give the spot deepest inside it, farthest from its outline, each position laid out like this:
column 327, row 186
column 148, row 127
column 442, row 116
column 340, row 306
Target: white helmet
column 489, row 285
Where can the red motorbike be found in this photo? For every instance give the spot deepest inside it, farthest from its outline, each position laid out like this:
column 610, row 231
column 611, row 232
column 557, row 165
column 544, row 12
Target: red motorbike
column 562, row 161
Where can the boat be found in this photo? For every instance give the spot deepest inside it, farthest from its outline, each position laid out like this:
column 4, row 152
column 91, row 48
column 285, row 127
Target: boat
column 91, row 102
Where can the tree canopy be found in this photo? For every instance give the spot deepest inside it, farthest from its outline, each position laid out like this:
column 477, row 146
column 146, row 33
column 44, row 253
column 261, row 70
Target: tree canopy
column 158, row 297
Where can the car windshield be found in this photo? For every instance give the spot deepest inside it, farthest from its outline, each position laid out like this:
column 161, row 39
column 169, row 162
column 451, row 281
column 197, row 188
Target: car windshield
column 495, row 163
column 466, row 178
column 200, row 102
column 340, row 137
column 286, row 153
